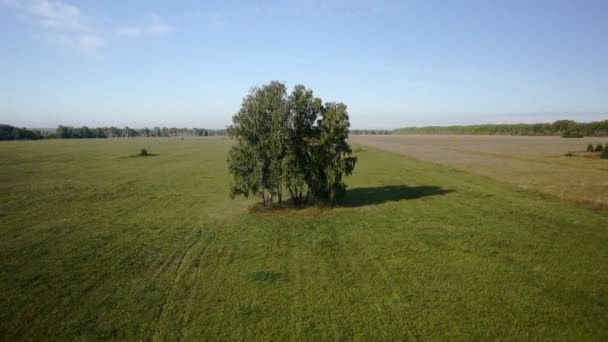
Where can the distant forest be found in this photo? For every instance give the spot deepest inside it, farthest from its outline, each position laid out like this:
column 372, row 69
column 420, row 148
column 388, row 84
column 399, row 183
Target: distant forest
column 370, row 131
column 8, row 132
column 565, row 128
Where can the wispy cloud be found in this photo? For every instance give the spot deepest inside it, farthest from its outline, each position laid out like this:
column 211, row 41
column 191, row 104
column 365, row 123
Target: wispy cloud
column 57, row 15
column 64, row 24
column 157, row 25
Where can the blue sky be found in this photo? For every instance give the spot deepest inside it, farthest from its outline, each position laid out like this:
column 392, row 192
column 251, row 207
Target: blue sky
column 394, row 63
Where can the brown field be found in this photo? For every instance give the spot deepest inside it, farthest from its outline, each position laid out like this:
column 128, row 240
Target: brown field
column 531, row 163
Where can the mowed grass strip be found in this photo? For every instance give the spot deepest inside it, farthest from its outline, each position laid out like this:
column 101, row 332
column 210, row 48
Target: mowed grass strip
column 99, row 246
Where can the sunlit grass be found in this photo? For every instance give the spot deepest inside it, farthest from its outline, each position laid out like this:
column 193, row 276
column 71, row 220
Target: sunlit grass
column 98, row 246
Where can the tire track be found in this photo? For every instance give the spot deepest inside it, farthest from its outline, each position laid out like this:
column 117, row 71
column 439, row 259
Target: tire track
column 179, row 288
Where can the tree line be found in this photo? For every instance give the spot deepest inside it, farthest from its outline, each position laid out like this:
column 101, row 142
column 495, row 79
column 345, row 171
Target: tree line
column 68, row 132
column 292, row 142
column 8, row 132
column 566, row 128
column 370, row 131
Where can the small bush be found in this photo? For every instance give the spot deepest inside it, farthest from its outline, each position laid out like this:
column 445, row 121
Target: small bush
column 599, row 148
column 572, row 134
column 590, row 148
column 569, row 154
column 143, row 152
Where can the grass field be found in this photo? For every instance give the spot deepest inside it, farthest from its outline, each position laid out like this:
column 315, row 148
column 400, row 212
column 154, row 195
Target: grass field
column 99, row 245
column 531, row 163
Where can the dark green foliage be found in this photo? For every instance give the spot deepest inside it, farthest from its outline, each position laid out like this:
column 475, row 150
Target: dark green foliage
column 8, row 132
column 566, row 128
column 604, row 154
column 264, row 276
column 599, row 148
column 143, row 152
column 68, row 132
column 590, row 148
column 572, row 134
column 332, row 154
column 294, row 142
column 259, row 129
column 305, row 110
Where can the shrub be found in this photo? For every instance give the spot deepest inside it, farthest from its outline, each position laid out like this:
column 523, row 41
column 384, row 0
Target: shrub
column 599, row 148
column 143, row 152
column 604, row 154
column 590, row 148
column 569, row 154
column 572, row 134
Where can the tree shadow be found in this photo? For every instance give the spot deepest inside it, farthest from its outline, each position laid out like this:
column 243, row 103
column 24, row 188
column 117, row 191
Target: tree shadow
column 359, row 197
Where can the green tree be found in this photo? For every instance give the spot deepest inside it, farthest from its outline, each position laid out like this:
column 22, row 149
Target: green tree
column 292, row 142
column 332, row 158
column 259, row 129
column 599, row 148
column 305, row 109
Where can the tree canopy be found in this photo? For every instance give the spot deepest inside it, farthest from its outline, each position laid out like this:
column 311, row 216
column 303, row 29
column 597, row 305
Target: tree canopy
column 289, row 142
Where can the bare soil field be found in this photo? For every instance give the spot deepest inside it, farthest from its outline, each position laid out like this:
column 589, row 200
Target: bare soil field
column 531, row 163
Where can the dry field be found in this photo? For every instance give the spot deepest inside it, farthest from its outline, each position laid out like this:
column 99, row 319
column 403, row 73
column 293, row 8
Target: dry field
column 531, row 163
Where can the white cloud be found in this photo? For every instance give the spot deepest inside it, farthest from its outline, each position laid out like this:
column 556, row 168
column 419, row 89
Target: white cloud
column 58, row 15
column 63, row 24
column 157, row 25
column 52, row 14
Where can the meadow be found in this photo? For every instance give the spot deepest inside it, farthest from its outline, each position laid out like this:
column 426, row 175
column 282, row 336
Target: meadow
column 100, row 244
column 530, row 163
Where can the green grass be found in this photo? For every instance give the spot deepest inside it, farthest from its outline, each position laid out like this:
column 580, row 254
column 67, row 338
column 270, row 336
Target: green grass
column 98, row 246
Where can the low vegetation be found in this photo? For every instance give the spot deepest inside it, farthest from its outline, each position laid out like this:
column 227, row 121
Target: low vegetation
column 572, row 134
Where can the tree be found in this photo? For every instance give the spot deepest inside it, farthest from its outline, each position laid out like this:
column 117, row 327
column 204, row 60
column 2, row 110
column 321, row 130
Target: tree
column 259, row 130
column 333, row 158
column 305, row 109
column 590, row 148
column 562, row 126
column 292, row 142
column 599, row 148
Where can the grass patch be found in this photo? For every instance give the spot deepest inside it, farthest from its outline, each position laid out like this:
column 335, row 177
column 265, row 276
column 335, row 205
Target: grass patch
column 264, row 277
